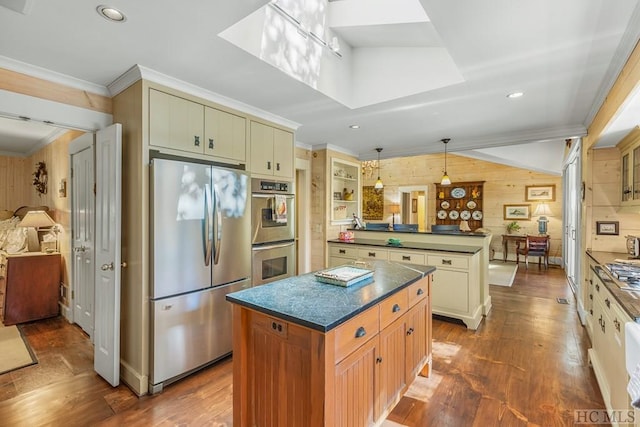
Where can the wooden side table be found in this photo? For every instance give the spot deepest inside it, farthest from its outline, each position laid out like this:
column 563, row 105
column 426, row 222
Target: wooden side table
column 32, row 287
column 506, row 238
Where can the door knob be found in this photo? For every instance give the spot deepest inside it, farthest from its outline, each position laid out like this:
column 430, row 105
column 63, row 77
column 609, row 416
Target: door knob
column 106, row 267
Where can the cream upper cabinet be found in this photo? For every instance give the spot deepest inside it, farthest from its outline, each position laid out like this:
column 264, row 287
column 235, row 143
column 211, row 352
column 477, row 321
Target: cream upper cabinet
column 630, row 168
column 175, row 122
column 225, row 134
column 271, row 151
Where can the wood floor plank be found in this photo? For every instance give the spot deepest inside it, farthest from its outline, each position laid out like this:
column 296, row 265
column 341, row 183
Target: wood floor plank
column 526, row 365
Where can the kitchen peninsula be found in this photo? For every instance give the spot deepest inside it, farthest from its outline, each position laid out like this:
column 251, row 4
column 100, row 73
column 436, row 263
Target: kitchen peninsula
column 461, row 281
column 310, row 353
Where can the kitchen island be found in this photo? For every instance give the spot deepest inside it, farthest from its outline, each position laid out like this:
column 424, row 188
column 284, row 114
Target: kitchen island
column 461, row 283
column 315, row 354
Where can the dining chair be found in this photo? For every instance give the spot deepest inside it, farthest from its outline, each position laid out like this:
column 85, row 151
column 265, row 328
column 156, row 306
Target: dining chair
column 534, row 246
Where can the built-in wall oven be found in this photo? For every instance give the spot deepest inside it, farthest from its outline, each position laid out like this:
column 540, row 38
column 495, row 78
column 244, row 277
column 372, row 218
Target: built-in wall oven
column 273, row 230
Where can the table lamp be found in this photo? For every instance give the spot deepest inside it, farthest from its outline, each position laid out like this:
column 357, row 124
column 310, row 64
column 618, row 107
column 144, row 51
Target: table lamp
column 394, row 210
column 542, row 211
column 32, row 221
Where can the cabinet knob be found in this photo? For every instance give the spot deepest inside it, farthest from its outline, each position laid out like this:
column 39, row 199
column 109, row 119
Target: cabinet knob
column 211, row 144
column 196, row 141
column 278, row 166
column 591, row 297
column 410, row 331
column 360, row 332
column 378, row 359
column 406, row 258
column 446, row 262
column 342, row 251
column 616, row 324
column 396, row 308
column 420, row 291
column 372, row 254
column 269, row 165
column 607, row 302
column 597, row 287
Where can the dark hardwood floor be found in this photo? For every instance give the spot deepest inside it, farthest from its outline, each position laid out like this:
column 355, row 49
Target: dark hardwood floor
column 526, row 365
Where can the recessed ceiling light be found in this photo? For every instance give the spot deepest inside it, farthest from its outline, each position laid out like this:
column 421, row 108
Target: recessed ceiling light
column 111, row 14
column 354, row 126
column 515, row 95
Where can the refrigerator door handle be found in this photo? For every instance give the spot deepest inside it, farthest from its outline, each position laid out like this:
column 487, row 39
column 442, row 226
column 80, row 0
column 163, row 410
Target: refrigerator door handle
column 218, row 229
column 208, row 232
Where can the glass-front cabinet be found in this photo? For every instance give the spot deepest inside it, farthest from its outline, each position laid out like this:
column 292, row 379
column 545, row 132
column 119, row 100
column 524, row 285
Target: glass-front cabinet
column 630, row 168
column 345, row 190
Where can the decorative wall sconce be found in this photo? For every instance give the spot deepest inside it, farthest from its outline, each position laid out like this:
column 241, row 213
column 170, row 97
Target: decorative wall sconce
column 40, row 178
column 368, row 166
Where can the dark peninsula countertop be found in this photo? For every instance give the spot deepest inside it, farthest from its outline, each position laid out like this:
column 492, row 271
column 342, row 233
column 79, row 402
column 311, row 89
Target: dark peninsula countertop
column 305, row 301
column 438, row 247
column 437, row 233
column 627, row 300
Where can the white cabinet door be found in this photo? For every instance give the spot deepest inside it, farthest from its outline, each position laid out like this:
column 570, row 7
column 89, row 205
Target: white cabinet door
column 282, row 153
column 261, row 149
column 225, row 134
column 450, row 291
column 175, row 122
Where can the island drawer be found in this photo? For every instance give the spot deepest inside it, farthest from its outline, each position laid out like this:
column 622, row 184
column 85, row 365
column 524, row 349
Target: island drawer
column 393, row 308
column 356, row 331
column 372, row 253
column 408, row 257
column 344, row 251
column 418, row 291
column 448, row 261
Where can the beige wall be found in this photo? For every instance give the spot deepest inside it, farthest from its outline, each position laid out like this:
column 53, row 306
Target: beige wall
column 604, row 202
column 15, row 187
column 503, row 185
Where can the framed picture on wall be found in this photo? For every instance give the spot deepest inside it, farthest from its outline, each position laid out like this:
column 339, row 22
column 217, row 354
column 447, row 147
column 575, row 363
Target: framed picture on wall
column 516, row 212
column 610, row 228
column 535, row 193
column 414, row 205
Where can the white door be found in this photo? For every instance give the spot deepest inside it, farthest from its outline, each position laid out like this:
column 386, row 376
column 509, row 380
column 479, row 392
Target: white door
column 106, row 358
column 82, row 222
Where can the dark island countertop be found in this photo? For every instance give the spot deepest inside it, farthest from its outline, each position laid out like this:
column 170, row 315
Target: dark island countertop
column 437, row 233
column 305, row 301
column 626, row 299
column 437, row 247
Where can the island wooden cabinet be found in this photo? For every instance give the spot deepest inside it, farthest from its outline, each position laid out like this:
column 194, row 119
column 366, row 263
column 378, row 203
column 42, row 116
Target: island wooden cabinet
column 352, row 375
column 32, row 287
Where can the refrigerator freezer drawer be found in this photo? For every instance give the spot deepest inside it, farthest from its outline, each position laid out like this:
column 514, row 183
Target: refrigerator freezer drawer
column 189, row 331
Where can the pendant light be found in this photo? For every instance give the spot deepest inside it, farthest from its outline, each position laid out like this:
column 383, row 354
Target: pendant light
column 379, row 185
column 445, row 178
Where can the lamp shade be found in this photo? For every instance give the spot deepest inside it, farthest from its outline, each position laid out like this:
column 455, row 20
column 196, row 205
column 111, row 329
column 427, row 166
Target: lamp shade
column 542, row 210
column 394, row 209
column 36, row 219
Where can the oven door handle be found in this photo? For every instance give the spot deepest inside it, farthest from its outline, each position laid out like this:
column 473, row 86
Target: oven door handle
column 268, row 196
column 208, row 231
column 265, row 248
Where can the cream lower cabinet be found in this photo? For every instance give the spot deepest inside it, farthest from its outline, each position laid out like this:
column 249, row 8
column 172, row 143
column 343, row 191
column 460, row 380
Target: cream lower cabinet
column 607, row 354
column 456, row 285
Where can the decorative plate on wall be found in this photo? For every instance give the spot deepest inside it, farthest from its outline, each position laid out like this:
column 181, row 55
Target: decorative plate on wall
column 465, row 215
column 471, row 204
column 453, row 215
column 442, row 214
column 445, row 205
column 458, row 193
column 477, row 215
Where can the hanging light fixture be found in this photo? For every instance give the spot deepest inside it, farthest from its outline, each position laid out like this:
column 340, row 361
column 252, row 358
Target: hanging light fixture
column 379, row 185
column 445, row 178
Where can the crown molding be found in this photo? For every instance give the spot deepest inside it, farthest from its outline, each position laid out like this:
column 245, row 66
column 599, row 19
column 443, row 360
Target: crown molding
column 138, row 72
column 52, row 76
column 334, row 148
column 304, row 146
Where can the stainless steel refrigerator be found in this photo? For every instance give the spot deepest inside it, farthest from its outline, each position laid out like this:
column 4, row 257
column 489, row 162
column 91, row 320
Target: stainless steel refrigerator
column 201, row 251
